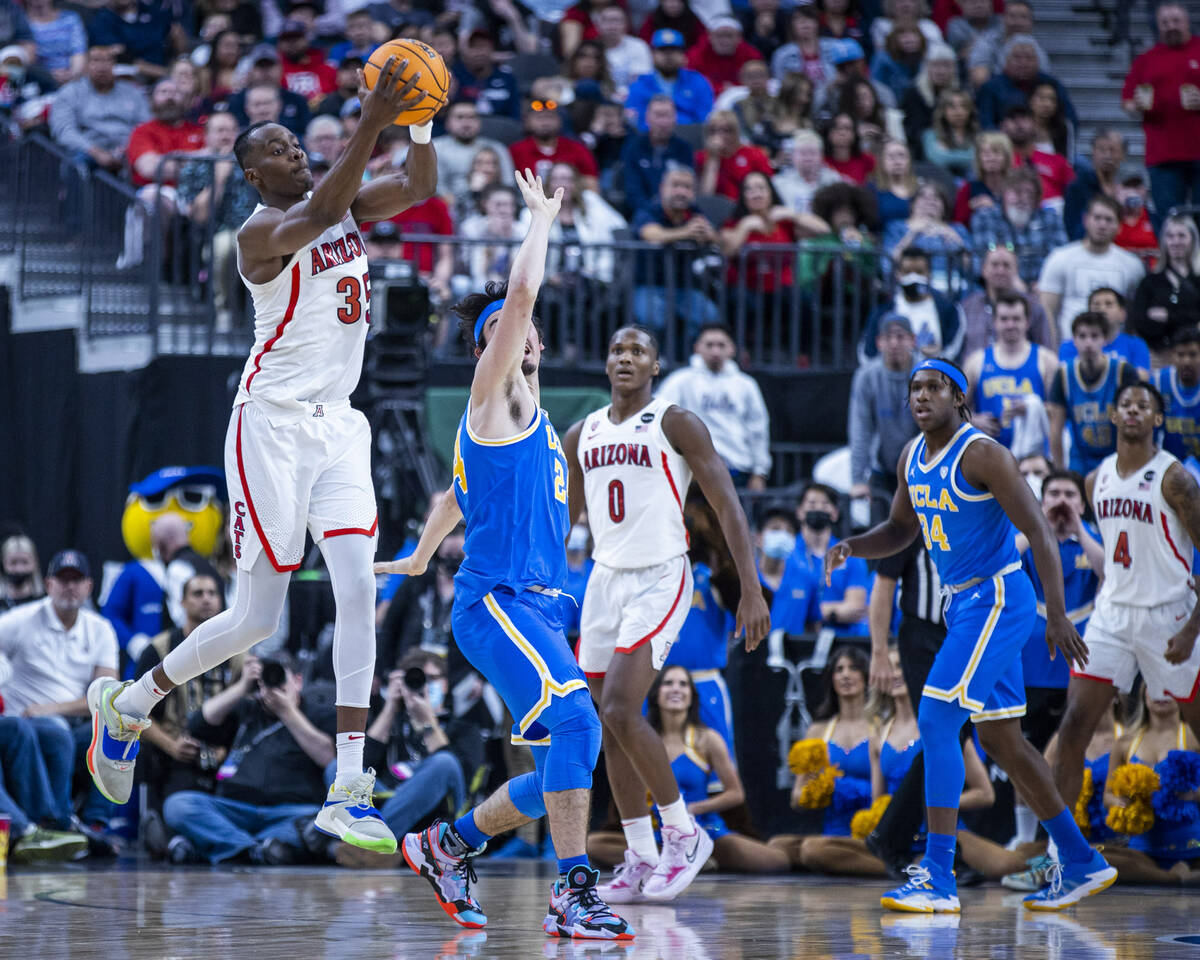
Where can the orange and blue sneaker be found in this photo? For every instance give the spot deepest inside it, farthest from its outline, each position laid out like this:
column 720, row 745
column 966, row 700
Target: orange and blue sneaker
column 114, row 746
column 1069, row 883
column 577, row 912
column 450, row 876
column 928, row 890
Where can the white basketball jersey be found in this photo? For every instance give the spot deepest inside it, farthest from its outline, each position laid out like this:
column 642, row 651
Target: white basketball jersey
column 310, row 323
column 1147, row 551
column 634, row 483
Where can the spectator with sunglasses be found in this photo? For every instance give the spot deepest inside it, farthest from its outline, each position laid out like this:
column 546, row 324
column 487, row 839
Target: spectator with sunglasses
column 545, row 146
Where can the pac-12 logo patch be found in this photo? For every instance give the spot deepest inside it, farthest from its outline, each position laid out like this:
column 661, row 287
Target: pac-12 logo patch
column 943, row 472
column 647, row 417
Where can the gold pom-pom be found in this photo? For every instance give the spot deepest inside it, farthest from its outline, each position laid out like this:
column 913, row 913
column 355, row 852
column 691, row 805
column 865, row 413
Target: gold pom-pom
column 864, row 821
column 1136, row 783
column 818, row 792
column 808, row 756
column 1085, row 797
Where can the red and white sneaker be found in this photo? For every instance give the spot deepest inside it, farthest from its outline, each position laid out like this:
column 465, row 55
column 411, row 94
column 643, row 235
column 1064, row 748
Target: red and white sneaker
column 683, row 854
column 627, row 880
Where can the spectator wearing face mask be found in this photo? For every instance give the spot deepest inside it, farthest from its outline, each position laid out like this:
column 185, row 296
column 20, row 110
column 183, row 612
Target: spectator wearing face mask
column 844, row 599
column 794, row 589
column 22, row 581
column 1136, row 233
column 937, row 322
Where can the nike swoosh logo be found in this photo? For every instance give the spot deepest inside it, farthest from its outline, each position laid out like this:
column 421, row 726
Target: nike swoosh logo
column 691, row 856
column 353, row 737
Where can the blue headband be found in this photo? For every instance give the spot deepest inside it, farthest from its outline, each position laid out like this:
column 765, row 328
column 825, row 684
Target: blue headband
column 484, row 314
column 941, row 366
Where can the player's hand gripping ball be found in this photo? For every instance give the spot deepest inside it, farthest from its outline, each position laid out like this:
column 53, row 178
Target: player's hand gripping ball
column 423, row 59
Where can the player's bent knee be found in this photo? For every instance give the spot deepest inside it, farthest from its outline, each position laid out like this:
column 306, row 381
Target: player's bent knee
column 574, row 746
column 525, row 792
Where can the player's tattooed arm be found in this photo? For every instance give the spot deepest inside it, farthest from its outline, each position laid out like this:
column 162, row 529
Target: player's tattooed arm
column 688, row 435
column 885, row 539
column 575, row 498
column 1183, row 496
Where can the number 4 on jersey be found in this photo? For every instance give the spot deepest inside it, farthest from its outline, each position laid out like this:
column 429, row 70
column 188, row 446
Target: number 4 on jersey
column 1121, row 551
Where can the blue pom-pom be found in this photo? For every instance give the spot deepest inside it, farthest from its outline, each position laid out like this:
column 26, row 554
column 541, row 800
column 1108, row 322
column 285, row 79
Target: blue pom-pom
column 1178, row 772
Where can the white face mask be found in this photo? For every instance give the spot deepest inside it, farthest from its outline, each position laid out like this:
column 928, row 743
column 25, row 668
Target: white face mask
column 778, row 544
column 435, row 693
column 577, row 539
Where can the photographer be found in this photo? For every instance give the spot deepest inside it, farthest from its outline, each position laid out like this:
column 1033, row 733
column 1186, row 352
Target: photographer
column 416, row 742
column 271, row 776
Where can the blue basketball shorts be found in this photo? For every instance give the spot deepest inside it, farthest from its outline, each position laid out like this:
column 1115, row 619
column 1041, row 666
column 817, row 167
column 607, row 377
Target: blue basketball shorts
column 979, row 665
column 517, row 642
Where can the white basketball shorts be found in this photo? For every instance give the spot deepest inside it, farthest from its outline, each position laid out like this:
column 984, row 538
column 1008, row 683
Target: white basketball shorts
column 624, row 609
column 287, row 474
column 1123, row 639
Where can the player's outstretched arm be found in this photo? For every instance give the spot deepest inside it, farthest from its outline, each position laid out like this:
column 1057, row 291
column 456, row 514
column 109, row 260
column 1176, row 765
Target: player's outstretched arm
column 689, row 436
column 575, row 496
column 502, row 359
column 989, row 466
column 274, row 233
column 384, row 198
column 1183, row 496
column 441, row 521
column 888, row 538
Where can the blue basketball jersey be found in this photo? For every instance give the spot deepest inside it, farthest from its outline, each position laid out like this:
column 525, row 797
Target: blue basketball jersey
column 999, row 386
column 966, row 532
column 703, row 642
column 1181, row 425
column 1124, row 346
column 1092, row 434
column 513, row 496
column 1080, row 583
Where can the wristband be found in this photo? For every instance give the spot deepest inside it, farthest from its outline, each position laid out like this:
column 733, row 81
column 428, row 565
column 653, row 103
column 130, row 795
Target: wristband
column 421, row 132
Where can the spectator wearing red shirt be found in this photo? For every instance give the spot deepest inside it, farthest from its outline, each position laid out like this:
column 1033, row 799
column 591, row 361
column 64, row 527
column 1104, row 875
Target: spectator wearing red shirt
column 1136, row 234
column 167, row 133
column 1163, row 89
column 720, row 55
column 725, row 161
column 1055, row 171
column 545, row 146
column 434, row 262
column 305, row 71
column 577, row 25
column 843, row 152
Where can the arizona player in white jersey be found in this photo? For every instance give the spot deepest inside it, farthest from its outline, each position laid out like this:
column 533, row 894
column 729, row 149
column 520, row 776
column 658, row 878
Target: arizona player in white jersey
column 297, row 457
column 631, row 463
column 1146, row 618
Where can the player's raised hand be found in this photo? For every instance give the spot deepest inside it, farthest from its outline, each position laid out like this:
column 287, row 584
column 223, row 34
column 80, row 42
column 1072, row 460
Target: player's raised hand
column 535, row 195
column 834, row 558
column 390, row 97
column 754, row 617
column 405, row 566
column 1061, row 635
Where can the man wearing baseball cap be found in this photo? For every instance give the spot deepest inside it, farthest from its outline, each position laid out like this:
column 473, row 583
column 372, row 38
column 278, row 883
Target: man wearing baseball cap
column 50, row 650
column 719, row 55
column 691, row 93
column 267, row 70
column 849, row 61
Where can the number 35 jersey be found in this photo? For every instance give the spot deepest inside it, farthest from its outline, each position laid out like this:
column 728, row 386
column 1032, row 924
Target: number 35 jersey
column 513, row 497
column 634, row 482
column 1147, row 551
column 967, row 533
column 310, row 323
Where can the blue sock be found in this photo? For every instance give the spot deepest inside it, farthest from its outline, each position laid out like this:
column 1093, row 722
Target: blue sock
column 939, row 850
column 566, row 865
column 470, row 834
column 1064, row 831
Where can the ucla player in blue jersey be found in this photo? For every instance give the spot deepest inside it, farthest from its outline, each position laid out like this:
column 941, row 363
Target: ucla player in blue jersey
column 1180, row 389
column 964, row 494
column 510, row 485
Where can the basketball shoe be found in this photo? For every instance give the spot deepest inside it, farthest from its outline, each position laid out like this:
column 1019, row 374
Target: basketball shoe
column 350, row 815
column 627, row 880
column 928, row 890
column 1031, row 880
column 1069, row 883
column 577, row 912
column 114, row 746
column 450, row 876
column 683, row 854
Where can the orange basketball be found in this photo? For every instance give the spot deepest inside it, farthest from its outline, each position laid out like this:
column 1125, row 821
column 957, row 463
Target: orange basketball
column 422, row 58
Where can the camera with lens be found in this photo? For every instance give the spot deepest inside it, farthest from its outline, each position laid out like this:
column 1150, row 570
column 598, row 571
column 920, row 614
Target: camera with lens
column 415, row 679
column 274, row 674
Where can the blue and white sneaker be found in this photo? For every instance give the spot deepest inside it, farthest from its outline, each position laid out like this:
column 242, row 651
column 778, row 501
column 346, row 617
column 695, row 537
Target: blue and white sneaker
column 577, row 912
column 1067, row 884
column 114, row 746
column 1027, row 881
column 350, row 815
column 927, row 891
column 450, row 876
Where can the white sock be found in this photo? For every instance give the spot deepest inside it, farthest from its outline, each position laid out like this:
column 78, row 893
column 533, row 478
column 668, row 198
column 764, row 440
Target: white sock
column 1027, row 824
column 349, row 757
column 140, row 697
column 639, row 837
column 676, row 815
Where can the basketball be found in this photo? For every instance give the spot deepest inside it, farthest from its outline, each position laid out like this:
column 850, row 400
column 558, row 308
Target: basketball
column 422, row 58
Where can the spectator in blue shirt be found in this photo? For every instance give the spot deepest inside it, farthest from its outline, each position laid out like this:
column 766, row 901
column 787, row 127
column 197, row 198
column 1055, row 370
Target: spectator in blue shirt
column 1126, row 346
column 494, row 89
column 1021, row 75
column 795, row 590
column 691, row 93
column 360, row 37
column 142, row 32
column 844, row 601
column 647, row 156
